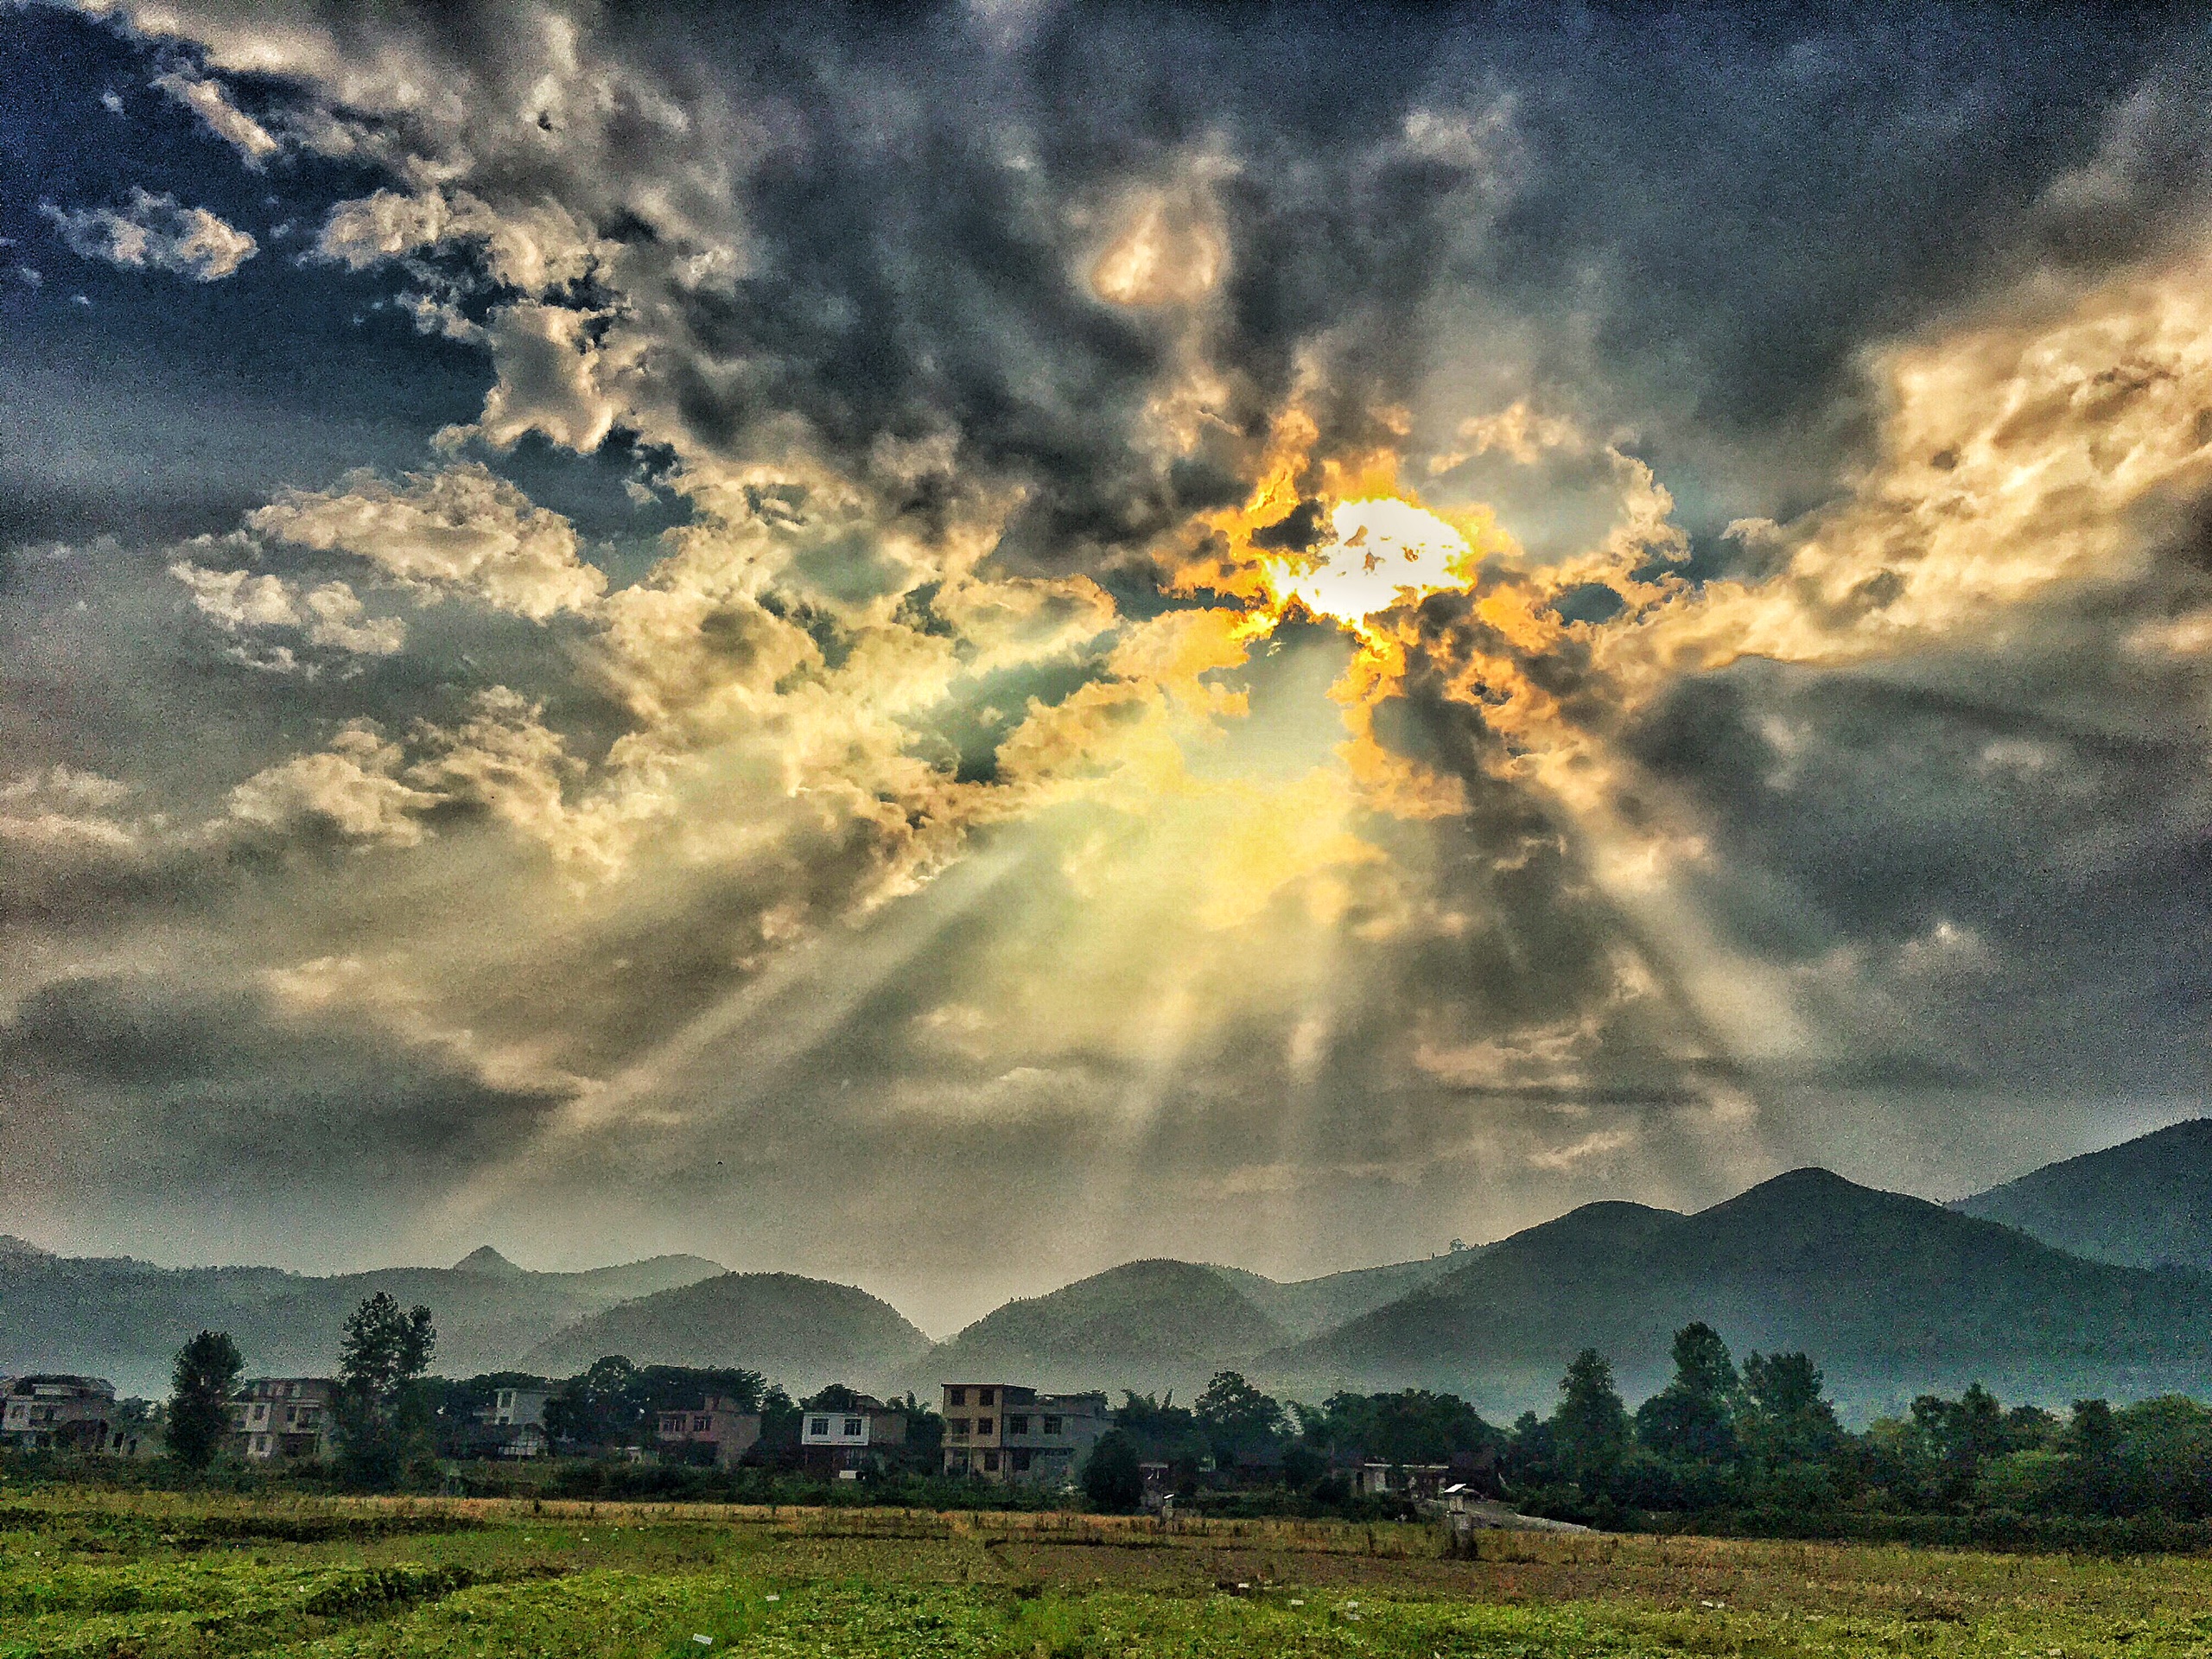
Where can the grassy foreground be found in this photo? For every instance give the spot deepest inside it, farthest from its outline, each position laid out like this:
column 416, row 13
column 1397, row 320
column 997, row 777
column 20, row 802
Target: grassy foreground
column 147, row 1577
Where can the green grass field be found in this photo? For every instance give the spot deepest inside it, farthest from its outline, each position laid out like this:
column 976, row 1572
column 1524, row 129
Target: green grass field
column 85, row 1574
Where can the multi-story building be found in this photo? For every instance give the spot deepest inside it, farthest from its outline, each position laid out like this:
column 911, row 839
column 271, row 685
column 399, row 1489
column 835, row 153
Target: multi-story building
column 285, row 1417
column 60, row 1413
column 514, row 1424
column 518, row 1407
column 716, row 1422
column 842, row 1432
column 1004, row 1431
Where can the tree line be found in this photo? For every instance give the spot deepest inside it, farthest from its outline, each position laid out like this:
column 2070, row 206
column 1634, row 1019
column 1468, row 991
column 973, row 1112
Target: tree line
column 1756, row 1447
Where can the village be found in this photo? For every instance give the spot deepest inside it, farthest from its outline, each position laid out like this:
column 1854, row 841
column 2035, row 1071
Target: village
column 997, row 1434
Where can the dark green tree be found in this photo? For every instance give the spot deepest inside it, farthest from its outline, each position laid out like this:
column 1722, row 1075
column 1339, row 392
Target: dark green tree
column 2093, row 1445
column 1237, row 1417
column 1409, row 1426
column 383, row 1418
column 1302, row 1466
column 1783, row 1416
column 602, row 1405
column 205, row 1376
column 1163, row 1431
column 1111, row 1479
column 1589, row 1431
column 1693, row 1419
column 1963, row 1436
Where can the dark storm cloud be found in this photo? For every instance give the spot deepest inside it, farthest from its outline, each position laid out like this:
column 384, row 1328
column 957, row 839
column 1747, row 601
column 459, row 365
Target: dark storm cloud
column 1731, row 207
column 142, row 1083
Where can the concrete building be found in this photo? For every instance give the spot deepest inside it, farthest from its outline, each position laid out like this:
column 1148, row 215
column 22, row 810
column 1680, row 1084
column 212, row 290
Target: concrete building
column 1004, row 1431
column 57, row 1412
column 1418, row 1481
column 285, row 1417
column 514, row 1424
column 840, row 1438
column 518, row 1407
column 716, row 1422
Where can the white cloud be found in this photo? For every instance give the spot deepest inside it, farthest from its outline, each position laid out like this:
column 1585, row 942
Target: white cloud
column 349, row 789
column 157, row 233
column 64, row 807
column 208, row 100
column 553, row 378
column 462, row 529
column 329, row 613
column 531, row 249
column 1517, row 431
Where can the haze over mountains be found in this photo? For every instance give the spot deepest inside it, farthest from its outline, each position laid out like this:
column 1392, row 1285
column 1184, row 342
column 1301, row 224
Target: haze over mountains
column 803, row 1333
column 2145, row 1204
column 124, row 1319
column 2043, row 1288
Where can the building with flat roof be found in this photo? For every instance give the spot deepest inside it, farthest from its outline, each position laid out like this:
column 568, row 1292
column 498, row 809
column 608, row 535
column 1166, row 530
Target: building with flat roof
column 285, row 1417
column 716, row 1422
column 1009, row 1432
column 55, row 1411
column 841, row 1431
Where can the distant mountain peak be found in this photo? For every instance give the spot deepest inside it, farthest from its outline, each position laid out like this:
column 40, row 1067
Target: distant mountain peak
column 486, row 1261
column 2145, row 1203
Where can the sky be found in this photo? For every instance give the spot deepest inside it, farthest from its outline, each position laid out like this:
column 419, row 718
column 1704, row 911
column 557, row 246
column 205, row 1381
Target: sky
column 942, row 647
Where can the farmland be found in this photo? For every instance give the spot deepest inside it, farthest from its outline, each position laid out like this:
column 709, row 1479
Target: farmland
column 109, row 1576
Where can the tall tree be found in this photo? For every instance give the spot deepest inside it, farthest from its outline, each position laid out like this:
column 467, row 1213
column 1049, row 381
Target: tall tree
column 2092, row 1443
column 1111, row 1478
column 1783, row 1417
column 1589, row 1431
column 205, row 1376
column 383, row 1421
column 1694, row 1416
column 1963, row 1436
column 1237, row 1415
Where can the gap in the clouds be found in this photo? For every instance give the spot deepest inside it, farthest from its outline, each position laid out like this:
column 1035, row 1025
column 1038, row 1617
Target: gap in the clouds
column 161, row 404
column 617, row 497
column 963, row 733
column 1291, row 725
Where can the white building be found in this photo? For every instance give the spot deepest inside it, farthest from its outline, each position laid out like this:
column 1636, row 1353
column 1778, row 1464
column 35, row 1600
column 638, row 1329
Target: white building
column 62, row 1413
column 285, row 1417
column 844, row 1436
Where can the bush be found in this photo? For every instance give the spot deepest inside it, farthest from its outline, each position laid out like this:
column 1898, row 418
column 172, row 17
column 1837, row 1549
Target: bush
column 1111, row 1478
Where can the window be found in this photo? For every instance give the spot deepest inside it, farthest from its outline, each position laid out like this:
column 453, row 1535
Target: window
column 702, row 1423
column 956, row 1397
column 990, row 1462
column 982, row 1425
column 1017, row 1424
column 818, row 1425
column 852, row 1429
column 1052, row 1425
column 982, row 1396
column 1021, row 1463
column 957, row 1427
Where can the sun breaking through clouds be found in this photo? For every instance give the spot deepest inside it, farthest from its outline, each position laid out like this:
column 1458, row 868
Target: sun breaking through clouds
column 948, row 647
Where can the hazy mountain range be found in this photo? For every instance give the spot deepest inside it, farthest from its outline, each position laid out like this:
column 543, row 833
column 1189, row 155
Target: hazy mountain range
column 2086, row 1277
column 2147, row 1204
